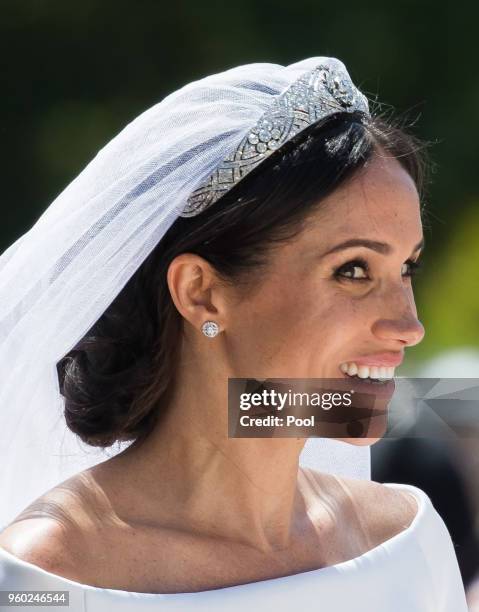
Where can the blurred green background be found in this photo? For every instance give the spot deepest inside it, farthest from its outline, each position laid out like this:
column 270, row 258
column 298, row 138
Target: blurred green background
column 75, row 73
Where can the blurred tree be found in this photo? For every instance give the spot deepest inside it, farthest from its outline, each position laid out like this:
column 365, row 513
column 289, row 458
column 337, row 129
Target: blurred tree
column 449, row 293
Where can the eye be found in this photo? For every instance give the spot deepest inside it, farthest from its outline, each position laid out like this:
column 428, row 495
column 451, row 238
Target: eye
column 414, row 267
column 350, row 270
column 356, row 270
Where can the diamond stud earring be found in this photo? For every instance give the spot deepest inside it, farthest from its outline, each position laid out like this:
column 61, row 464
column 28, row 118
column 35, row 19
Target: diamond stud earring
column 210, row 328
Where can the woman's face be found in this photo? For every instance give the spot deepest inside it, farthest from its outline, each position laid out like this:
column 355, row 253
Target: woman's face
column 322, row 303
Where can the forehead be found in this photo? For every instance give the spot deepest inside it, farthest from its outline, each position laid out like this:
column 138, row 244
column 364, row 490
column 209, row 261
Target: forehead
column 381, row 200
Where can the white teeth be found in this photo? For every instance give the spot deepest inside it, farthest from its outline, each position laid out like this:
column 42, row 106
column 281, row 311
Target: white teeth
column 352, row 369
column 363, row 371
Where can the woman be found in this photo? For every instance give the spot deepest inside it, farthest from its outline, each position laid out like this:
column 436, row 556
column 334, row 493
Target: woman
column 257, row 223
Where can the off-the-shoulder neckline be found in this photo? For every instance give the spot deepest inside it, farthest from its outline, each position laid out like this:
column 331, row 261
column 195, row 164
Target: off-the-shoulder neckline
column 419, row 495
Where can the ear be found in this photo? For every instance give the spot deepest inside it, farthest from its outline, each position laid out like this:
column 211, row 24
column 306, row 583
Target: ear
column 196, row 290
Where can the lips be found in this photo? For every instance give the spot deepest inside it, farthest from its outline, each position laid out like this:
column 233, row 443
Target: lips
column 389, row 359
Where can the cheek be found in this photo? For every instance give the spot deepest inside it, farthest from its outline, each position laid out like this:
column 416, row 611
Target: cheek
column 292, row 320
column 332, row 318
column 275, row 322
column 299, row 318
column 276, row 314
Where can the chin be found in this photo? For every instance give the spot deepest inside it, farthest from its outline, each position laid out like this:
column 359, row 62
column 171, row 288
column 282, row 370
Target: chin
column 367, row 432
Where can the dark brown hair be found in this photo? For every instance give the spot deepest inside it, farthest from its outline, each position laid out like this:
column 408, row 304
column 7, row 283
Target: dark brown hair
column 118, row 378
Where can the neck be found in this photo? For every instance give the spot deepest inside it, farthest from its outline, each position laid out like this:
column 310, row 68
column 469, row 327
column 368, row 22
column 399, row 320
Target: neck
column 189, row 474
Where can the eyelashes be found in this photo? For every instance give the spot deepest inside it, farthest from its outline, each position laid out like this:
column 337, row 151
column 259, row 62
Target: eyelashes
column 349, row 267
column 414, row 267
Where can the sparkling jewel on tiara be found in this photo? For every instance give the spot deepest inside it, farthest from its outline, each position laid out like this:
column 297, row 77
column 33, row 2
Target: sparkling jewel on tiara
column 315, row 95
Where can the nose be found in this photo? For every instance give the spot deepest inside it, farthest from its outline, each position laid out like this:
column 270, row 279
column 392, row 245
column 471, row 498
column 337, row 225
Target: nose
column 402, row 325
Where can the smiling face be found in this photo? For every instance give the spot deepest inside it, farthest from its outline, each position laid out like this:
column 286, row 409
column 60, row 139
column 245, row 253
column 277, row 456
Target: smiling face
column 325, row 299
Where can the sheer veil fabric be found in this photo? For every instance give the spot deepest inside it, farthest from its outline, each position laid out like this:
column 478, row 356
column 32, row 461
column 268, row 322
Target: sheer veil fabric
column 59, row 277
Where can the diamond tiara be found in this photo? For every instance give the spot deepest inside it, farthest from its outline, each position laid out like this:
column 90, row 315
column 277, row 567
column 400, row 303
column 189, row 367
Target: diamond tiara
column 317, row 94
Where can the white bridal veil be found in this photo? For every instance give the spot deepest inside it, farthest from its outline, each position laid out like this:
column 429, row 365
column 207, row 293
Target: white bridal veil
column 59, row 277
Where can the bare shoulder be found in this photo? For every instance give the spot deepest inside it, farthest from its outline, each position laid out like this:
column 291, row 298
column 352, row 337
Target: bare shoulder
column 42, row 542
column 379, row 511
column 52, row 532
column 385, row 510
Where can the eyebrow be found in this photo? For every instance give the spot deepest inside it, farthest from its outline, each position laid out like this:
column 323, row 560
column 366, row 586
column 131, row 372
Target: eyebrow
column 381, row 247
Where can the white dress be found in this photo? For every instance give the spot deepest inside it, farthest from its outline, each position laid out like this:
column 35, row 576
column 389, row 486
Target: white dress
column 414, row 571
